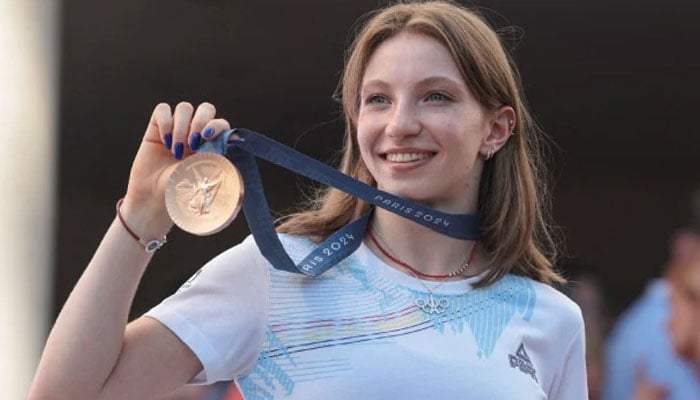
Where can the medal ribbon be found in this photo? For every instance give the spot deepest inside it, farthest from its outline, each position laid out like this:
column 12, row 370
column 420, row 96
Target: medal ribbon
column 346, row 240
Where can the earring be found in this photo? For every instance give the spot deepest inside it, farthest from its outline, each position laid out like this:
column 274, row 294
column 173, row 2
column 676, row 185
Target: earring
column 490, row 152
column 511, row 127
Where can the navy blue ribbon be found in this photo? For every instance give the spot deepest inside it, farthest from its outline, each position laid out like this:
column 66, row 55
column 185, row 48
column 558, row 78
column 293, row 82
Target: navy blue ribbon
column 344, row 241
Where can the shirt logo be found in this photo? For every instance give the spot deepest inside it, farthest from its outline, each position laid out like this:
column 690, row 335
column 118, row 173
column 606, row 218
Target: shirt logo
column 522, row 362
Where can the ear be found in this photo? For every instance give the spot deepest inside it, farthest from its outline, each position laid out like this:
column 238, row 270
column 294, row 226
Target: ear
column 501, row 129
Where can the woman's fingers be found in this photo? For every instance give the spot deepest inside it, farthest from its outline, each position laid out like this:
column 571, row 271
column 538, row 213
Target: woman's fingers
column 182, row 117
column 160, row 126
column 214, row 128
column 183, row 130
column 205, row 113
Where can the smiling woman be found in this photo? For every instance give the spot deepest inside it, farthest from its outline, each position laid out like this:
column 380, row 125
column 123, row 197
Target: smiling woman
column 434, row 114
column 420, row 122
column 448, row 60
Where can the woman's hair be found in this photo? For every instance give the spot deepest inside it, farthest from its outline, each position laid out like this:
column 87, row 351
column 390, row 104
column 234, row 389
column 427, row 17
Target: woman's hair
column 513, row 204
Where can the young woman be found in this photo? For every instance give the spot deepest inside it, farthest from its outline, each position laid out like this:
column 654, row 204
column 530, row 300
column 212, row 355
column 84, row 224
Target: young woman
column 434, row 114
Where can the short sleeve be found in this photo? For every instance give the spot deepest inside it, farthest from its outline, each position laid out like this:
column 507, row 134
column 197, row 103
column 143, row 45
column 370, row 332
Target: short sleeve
column 571, row 381
column 220, row 313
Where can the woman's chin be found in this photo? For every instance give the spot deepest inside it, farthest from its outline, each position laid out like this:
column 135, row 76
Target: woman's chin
column 410, row 194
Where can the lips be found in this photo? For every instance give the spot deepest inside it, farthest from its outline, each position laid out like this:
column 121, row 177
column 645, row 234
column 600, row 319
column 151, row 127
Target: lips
column 401, row 157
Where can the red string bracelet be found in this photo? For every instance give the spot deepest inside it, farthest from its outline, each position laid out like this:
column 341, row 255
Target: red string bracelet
column 150, row 246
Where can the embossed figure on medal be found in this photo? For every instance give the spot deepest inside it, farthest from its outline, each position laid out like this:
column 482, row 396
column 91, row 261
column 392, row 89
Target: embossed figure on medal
column 201, row 194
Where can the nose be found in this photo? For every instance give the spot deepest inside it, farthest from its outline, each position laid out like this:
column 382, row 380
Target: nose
column 404, row 121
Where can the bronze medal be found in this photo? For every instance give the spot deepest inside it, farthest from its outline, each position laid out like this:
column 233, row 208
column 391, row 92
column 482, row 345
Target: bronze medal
column 204, row 193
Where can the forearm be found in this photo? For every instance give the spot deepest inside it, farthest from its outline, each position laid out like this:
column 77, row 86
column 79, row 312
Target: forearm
column 86, row 340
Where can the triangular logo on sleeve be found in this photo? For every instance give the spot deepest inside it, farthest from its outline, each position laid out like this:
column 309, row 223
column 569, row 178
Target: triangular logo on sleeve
column 522, row 362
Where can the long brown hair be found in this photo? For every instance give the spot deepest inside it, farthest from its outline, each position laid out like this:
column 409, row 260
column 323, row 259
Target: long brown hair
column 513, row 201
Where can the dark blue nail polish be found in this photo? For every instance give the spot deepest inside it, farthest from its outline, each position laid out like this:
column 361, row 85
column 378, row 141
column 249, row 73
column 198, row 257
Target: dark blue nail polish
column 208, row 132
column 194, row 141
column 168, row 140
column 179, row 149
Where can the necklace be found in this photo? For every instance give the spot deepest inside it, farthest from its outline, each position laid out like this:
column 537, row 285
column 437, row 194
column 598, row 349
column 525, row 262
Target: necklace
column 430, row 304
column 389, row 254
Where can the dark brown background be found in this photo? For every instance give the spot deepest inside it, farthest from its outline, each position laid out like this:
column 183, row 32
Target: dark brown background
column 613, row 83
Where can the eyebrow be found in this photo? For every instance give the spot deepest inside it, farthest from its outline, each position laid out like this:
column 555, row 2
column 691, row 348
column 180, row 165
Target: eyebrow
column 424, row 82
column 374, row 82
column 440, row 79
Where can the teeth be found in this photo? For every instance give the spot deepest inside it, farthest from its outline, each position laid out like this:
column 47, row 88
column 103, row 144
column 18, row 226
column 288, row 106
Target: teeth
column 406, row 157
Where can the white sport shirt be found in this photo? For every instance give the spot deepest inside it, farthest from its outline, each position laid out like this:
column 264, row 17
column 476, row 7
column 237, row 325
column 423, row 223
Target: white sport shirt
column 356, row 333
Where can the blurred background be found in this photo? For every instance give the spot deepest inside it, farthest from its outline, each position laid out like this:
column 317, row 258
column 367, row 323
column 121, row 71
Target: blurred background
column 613, row 83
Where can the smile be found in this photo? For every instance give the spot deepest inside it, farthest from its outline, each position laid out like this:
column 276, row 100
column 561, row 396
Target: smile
column 407, row 157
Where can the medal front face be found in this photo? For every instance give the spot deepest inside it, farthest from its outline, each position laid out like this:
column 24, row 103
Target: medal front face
column 204, row 194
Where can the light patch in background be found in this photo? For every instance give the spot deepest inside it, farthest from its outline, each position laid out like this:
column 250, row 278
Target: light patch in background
column 28, row 76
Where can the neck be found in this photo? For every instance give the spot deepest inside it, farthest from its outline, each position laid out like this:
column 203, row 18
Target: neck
column 425, row 250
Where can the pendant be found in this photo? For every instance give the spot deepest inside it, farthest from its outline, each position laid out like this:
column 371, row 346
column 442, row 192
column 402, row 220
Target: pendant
column 431, row 305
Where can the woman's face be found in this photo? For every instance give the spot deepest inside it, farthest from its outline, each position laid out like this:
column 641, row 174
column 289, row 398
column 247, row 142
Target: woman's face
column 419, row 127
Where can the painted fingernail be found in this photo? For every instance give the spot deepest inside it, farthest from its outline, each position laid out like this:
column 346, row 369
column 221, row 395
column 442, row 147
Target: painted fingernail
column 208, row 132
column 168, row 140
column 179, row 149
column 194, row 141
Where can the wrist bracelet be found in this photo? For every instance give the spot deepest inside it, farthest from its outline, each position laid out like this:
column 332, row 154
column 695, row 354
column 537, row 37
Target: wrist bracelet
column 150, row 246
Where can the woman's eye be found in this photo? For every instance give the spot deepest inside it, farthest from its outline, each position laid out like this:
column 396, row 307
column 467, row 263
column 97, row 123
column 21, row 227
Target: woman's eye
column 437, row 96
column 376, row 99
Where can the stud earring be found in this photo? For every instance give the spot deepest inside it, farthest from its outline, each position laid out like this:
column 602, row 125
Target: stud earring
column 511, row 127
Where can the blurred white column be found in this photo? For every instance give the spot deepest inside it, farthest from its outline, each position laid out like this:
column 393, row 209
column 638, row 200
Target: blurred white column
column 28, row 83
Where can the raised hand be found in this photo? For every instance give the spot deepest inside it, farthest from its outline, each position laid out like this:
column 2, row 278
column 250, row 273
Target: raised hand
column 170, row 136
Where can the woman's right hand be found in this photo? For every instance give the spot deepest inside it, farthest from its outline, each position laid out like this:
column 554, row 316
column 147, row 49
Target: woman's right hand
column 170, row 137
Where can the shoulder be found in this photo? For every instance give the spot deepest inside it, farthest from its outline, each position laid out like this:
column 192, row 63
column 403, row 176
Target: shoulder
column 221, row 312
column 543, row 308
column 556, row 310
column 296, row 246
column 560, row 304
column 248, row 250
